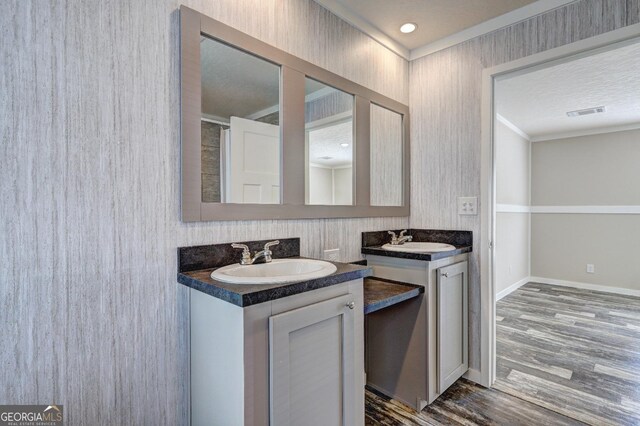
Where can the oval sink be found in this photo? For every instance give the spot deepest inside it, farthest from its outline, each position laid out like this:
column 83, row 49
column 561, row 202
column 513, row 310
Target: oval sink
column 277, row 271
column 411, row 247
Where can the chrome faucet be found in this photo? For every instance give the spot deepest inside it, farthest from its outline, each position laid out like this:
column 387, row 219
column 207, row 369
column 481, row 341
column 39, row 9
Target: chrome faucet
column 246, row 253
column 398, row 240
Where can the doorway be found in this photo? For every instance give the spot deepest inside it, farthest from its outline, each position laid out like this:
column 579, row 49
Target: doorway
column 562, row 132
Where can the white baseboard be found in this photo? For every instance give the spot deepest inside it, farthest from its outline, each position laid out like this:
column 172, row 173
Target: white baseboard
column 513, row 287
column 586, row 286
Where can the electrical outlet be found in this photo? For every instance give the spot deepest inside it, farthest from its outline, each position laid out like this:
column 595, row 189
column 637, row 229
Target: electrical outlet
column 468, row 206
column 591, row 269
column 332, row 255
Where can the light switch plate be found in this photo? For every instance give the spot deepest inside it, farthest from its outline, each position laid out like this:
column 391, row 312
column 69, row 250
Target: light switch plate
column 468, row 206
column 332, row 255
column 591, row 269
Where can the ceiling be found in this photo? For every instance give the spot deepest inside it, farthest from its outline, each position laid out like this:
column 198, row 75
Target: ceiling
column 235, row 83
column 441, row 23
column 325, row 142
column 537, row 102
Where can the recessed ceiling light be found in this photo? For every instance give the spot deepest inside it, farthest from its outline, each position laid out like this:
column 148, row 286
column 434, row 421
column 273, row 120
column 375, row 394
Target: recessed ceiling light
column 407, row 28
column 344, row 145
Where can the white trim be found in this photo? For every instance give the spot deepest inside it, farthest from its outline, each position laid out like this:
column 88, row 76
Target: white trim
column 512, row 208
column 510, row 18
column 263, row 112
column 513, row 287
column 516, row 208
column 586, row 132
column 567, row 52
column 320, row 166
column 475, row 376
column 586, row 286
column 487, row 234
column 512, row 127
column 351, row 17
column 586, row 209
column 332, row 120
column 214, row 119
column 325, row 91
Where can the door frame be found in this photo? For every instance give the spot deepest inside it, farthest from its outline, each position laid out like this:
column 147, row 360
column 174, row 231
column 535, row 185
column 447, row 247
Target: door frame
column 569, row 52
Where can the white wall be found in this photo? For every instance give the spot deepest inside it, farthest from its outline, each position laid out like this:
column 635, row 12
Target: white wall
column 512, row 254
column 330, row 185
column 320, row 185
column 343, row 185
column 596, row 170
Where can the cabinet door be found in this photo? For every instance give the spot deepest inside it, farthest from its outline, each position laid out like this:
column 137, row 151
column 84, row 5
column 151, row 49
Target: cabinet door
column 453, row 326
column 312, row 364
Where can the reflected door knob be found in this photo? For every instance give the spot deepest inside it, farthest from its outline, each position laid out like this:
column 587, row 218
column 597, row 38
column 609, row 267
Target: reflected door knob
column 351, row 305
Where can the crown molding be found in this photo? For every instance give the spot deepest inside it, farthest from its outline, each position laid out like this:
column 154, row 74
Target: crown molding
column 365, row 26
column 502, row 21
column 586, row 132
column 513, row 127
column 505, row 20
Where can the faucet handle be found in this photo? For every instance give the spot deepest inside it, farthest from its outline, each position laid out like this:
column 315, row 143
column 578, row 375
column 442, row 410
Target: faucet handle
column 402, row 233
column 393, row 235
column 246, row 253
column 271, row 244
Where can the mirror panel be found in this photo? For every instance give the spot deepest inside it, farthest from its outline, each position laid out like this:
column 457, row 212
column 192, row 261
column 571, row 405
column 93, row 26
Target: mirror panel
column 329, row 145
column 240, row 126
column 386, row 162
column 253, row 120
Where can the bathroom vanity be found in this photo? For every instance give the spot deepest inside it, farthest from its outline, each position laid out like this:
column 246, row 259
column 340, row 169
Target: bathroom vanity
column 283, row 342
column 281, row 354
column 415, row 350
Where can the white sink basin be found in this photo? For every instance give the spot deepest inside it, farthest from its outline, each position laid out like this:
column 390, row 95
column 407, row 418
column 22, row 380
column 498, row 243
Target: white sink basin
column 277, row 271
column 411, row 247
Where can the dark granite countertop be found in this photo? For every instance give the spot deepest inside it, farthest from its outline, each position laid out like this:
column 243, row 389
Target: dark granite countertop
column 251, row 294
column 372, row 243
column 381, row 293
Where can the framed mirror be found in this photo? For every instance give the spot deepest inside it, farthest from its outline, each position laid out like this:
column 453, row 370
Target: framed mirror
column 267, row 135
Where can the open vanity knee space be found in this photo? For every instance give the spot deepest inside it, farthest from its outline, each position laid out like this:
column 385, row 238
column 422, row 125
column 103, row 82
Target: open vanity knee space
column 418, row 348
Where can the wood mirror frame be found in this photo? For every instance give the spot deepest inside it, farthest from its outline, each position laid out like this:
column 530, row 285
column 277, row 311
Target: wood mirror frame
column 292, row 131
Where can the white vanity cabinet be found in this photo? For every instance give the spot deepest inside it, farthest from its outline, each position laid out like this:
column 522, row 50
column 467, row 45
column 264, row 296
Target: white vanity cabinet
column 291, row 361
column 417, row 349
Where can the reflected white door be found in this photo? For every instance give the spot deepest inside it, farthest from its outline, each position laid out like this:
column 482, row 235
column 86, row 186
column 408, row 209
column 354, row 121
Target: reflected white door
column 254, row 164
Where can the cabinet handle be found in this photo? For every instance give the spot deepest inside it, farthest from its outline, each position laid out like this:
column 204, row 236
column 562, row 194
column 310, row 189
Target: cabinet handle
column 445, row 274
column 351, row 305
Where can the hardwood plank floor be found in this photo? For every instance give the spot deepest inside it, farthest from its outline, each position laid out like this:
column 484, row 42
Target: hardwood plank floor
column 464, row 403
column 572, row 351
column 565, row 356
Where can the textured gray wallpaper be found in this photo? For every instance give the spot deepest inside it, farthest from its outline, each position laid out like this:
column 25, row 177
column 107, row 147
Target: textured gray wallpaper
column 91, row 314
column 445, row 105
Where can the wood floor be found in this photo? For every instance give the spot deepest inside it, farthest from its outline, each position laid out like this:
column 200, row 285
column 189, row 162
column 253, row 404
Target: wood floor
column 565, row 357
column 464, row 403
column 576, row 352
